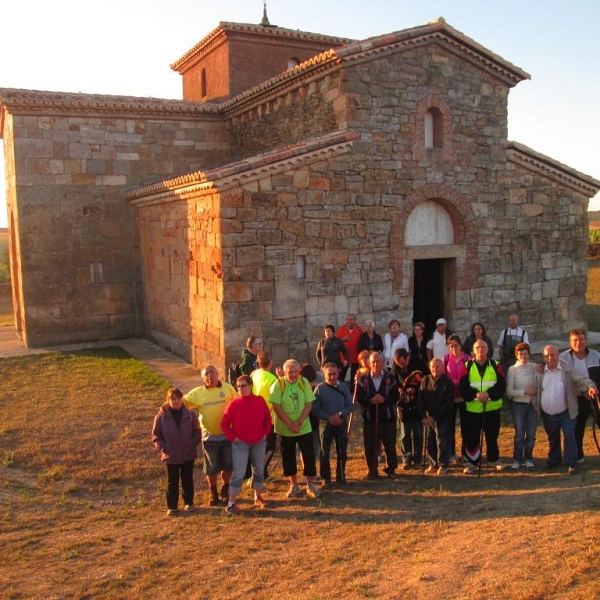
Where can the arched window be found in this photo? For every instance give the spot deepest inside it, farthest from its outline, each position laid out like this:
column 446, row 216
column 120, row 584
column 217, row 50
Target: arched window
column 433, row 128
column 203, row 83
column 293, row 62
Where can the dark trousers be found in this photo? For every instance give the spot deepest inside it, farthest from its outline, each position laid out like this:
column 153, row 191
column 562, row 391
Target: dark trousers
column 184, row 471
column 411, row 441
column 386, row 433
column 585, row 412
column 353, row 369
column 473, row 422
column 458, row 409
column 332, row 433
column 439, row 437
column 270, row 450
column 307, row 451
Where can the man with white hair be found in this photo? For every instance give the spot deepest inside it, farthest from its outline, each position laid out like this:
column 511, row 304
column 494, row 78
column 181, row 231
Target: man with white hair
column 292, row 399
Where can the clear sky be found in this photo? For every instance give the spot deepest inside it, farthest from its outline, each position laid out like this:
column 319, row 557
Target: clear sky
column 125, row 47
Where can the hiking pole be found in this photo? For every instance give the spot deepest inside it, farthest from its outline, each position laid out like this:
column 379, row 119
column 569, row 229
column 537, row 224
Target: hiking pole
column 351, row 417
column 377, row 437
column 481, row 439
column 425, row 433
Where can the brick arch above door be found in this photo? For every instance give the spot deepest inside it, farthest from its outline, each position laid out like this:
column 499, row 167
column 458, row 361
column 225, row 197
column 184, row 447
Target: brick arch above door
column 458, row 212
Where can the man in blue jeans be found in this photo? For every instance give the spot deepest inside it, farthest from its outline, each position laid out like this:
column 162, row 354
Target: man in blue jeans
column 559, row 387
column 332, row 405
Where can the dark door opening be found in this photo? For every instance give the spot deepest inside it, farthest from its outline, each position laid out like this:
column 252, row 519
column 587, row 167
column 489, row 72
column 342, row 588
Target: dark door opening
column 428, row 296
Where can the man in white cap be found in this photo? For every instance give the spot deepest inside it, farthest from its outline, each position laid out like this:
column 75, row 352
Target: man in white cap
column 436, row 346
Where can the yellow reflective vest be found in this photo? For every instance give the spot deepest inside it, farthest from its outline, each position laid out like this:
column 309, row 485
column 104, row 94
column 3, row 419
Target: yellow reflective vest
column 482, row 384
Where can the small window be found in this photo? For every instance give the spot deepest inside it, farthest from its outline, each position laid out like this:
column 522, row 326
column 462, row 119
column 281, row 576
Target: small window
column 433, row 128
column 203, row 83
column 293, row 62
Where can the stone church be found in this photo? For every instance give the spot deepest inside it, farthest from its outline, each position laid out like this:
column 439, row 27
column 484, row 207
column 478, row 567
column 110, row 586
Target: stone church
column 301, row 177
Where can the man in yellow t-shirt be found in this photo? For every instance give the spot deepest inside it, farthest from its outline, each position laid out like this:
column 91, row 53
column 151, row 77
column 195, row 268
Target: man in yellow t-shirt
column 210, row 401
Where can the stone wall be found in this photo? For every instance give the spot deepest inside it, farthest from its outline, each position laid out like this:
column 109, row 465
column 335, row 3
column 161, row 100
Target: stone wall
column 309, row 109
column 76, row 235
column 181, row 277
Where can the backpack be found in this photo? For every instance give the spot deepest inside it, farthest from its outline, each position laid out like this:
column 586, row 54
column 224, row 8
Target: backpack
column 282, row 383
column 233, row 373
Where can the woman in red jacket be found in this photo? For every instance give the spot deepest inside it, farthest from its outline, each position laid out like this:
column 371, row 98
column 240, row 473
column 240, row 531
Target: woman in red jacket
column 246, row 422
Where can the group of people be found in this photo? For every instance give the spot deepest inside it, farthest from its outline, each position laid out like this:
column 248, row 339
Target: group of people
column 419, row 384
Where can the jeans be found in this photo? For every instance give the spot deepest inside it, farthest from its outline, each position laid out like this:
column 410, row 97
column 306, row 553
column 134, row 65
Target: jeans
column 411, row 441
column 439, row 440
column 186, row 472
column 328, row 434
column 553, row 424
column 525, row 422
column 240, row 453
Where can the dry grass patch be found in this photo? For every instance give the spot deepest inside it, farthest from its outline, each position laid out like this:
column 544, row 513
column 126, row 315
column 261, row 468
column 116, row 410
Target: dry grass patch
column 82, row 512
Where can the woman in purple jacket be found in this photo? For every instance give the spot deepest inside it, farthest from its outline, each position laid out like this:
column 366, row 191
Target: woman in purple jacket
column 176, row 433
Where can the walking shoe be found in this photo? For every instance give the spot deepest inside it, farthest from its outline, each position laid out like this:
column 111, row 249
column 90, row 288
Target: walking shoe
column 452, row 459
column 172, row 512
column 213, row 496
column 189, row 508
column 529, row 464
column 391, row 473
column 442, row 471
column 406, row 466
column 516, row 465
column 260, row 502
column 430, row 469
column 326, row 484
column 313, row 492
column 294, row 491
column 498, row 465
column 372, row 476
column 470, row 470
column 232, row 509
column 225, row 492
column 580, row 460
column 573, row 469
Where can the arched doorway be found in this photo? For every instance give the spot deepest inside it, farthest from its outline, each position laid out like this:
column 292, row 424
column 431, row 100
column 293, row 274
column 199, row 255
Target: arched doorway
column 430, row 243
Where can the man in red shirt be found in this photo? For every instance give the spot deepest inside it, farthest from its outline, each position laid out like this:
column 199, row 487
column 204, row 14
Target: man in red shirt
column 349, row 334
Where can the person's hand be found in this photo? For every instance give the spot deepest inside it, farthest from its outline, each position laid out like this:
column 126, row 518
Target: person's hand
column 377, row 399
column 531, row 391
column 593, row 393
column 427, row 422
column 279, row 371
column 482, row 397
column 295, row 426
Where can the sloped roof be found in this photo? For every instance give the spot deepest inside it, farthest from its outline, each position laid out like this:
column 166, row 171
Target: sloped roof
column 234, row 173
column 540, row 163
column 52, row 103
column 437, row 31
column 225, row 28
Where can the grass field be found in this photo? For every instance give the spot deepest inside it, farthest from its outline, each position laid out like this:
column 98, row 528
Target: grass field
column 82, row 511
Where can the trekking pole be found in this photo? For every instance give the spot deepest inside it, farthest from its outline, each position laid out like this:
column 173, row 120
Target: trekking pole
column 425, row 433
column 377, row 435
column 481, row 439
column 351, row 417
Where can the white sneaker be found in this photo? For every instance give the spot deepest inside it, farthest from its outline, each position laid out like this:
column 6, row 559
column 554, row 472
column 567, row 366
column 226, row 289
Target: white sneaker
column 294, row 491
column 470, row 470
column 498, row 465
column 516, row 465
column 529, row 464
column 313, row 492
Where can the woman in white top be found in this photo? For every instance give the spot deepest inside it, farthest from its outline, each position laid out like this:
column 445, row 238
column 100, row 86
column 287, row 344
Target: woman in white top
column 522, row 388
column 392, row 341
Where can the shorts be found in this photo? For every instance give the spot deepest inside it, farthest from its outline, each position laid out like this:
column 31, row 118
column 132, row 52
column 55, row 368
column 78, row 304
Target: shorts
column 217, row 456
